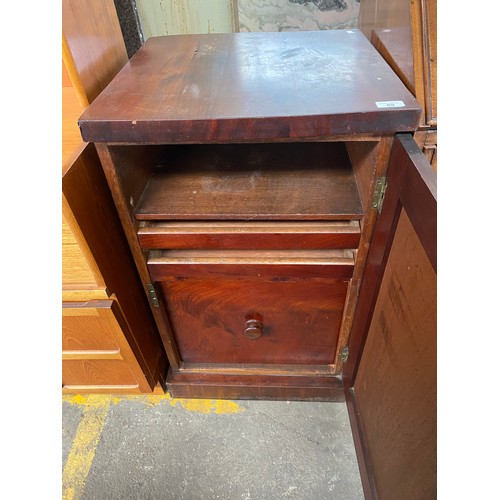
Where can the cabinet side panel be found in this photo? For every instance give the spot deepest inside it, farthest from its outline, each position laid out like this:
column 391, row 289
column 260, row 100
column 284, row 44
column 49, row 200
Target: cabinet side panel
column 79, row 270
column 396, row 383
column 89, row 197
column 127, row 170
column 94, row 38
column 374, row 14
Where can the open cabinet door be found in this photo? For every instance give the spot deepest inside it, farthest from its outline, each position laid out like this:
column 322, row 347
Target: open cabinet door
column 390, row 375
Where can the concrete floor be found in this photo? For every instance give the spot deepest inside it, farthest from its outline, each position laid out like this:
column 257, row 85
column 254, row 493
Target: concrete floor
column 155, row 447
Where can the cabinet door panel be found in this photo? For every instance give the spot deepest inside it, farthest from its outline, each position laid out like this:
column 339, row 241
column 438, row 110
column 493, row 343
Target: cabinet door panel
column 390, row 376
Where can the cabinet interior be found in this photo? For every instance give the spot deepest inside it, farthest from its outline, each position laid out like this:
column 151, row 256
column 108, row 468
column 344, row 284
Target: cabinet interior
column 304, row 181
column 256, row 223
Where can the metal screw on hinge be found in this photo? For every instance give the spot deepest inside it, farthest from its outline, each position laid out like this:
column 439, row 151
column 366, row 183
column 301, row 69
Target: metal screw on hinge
column 344, row 354
column 379, row 193
column 152, row 295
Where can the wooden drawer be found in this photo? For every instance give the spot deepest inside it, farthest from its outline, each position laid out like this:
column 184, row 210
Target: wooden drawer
column 81, row 374
column 249, row 235
column 89, row 326
column 239, row 307
column 95, row 352
column 263, row 264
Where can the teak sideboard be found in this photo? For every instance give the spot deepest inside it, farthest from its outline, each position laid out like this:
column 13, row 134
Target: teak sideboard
column 248, row 171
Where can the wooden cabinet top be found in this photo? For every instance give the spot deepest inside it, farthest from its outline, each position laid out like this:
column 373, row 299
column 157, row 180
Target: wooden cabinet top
column 251, row 86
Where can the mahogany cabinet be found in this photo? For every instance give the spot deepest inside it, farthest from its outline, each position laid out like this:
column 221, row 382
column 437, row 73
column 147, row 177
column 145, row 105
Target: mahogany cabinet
column 248, row 171
column 110, row 342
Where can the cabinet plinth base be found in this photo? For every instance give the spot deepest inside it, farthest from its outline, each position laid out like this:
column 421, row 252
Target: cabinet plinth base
column 281, row 387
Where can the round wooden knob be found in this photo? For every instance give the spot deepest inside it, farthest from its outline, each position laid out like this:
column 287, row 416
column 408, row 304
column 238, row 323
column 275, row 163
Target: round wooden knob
column 253, row 329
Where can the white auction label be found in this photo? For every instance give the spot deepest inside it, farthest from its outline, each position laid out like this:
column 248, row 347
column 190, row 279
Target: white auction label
column 390, row 104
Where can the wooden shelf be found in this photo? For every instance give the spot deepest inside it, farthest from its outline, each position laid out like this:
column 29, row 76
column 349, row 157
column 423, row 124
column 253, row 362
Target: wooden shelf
column 300, row 181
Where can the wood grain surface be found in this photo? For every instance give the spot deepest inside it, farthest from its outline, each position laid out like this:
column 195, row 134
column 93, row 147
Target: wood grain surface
column 98, row 373
column 79, row 270
column 89, row 326
column 395, row 46
column 390, row 373
column 93, row 45
column 308, row 181
column 89, row 201
column 289, row 388
column 96, row 351
column 248, row 86
column 405, row 33
column 249, row 235
column 399, row 368
column 238, row 263
column 301, row 319
column 122, row 179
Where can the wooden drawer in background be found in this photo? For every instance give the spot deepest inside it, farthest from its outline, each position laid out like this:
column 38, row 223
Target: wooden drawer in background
column 96, row 355
column 98, row 375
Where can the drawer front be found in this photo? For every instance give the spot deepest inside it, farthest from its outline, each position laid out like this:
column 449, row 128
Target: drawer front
column 264, row 264
column 256, row 307
column 88, row 373
column 254, row 320
column 249, row 235
column 89, row 326
column 95, row 352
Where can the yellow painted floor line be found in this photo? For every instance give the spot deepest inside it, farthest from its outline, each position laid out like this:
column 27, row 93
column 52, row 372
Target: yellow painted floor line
column 88, row 433
column 218, row 406
column 84, row 446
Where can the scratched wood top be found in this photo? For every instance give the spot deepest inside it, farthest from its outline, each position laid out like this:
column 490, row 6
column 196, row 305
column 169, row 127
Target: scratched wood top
column 235, row 87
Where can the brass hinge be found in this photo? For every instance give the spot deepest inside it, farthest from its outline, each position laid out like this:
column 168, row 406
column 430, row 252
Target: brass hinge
column 379, row 193
column 152, row 295
column 344, row 354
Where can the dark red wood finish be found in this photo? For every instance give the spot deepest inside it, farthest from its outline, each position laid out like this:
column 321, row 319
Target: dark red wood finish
column 249, row 235
column 240, row 87
column 238, row 263
column 209, row 316
column 364, row 463
column 413, row 184
column 174, row 130
column 412, row 187
column 275, row 387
